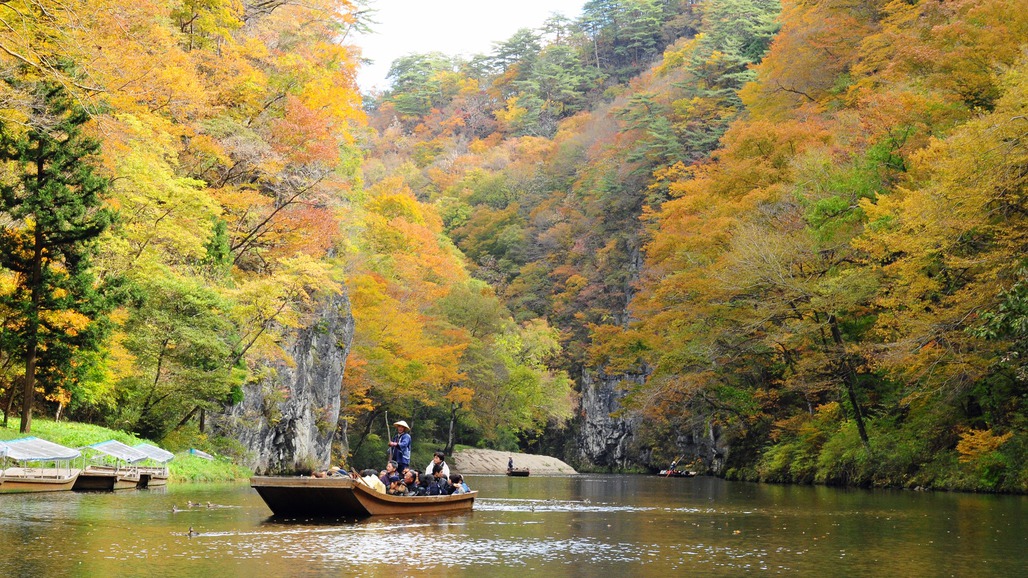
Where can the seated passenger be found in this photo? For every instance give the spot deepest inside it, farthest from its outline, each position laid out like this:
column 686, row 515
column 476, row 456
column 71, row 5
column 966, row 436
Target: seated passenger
column 390, row 475
column 424, row 483
column 398, row 488
column 438, row 459
column 332, row 472
column 459, row 487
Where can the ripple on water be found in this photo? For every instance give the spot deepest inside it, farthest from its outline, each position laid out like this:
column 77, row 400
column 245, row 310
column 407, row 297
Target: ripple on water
column 422, row 546
column 522, row 505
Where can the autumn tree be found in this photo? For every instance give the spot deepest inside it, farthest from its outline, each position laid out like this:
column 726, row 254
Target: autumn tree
column 181, row 340
column 52, row 201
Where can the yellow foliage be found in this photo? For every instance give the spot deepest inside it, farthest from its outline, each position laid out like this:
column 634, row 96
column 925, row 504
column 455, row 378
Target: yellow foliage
column 977, row 442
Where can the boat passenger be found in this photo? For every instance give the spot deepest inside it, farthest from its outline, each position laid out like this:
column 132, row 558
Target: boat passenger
column 398, row 488
column 459, row 487
column 510, row 463
column 399, row 447
column 390, row 475
column 439, row 458
column 427, row 486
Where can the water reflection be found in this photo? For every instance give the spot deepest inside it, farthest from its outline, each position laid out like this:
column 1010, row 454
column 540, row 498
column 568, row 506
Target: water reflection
column 571, row 526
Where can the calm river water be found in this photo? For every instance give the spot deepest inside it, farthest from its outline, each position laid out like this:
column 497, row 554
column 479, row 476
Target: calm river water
column 587, row 525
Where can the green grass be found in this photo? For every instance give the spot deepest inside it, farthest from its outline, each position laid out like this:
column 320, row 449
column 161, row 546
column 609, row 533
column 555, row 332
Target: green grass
column 184, row 468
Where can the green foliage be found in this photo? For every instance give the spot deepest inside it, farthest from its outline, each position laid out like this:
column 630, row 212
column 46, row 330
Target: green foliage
column 184, row 468
column 187, row 468
column 182, row 345
column 51, row 204
column 71, row 434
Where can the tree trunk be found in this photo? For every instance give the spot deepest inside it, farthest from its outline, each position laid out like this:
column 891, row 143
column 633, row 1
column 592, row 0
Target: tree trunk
column 367, row 430
column 32, row 341
column 10, row 403
column 850, row 377
column 448, row 450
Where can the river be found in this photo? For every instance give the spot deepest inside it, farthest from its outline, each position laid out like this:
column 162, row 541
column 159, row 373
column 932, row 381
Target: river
column 585, row 525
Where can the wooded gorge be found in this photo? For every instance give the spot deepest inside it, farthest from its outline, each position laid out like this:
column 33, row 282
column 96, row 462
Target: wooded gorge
column 788, row 234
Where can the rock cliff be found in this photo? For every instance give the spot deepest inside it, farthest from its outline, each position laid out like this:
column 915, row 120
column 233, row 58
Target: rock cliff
column 605, row 440
column 608, row 436
column 287, row 419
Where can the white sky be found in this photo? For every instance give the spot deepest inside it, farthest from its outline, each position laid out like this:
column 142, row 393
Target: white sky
column 453, row 27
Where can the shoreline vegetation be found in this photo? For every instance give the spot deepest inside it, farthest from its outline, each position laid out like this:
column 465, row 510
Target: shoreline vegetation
column 187, row 468
column 184, row 468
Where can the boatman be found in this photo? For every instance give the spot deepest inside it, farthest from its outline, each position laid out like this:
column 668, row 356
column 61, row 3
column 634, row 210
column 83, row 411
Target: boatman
column 399, row 447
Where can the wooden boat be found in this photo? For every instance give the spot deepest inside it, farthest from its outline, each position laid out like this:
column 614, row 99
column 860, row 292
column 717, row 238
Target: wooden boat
column 676, row 474
column 150, row 477
column 23, row 480
column 518, row 472
column 154, row 475
column 43, row 466
column 112, row 467
column 342, row 497
column 106, row 478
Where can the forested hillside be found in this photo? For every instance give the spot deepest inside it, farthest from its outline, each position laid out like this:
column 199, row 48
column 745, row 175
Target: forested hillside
column 790, row 228
column 181, row 187
column 798, row 223
column 173, row 194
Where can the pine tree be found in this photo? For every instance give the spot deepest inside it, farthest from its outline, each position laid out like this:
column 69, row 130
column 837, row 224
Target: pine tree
column 51, row 203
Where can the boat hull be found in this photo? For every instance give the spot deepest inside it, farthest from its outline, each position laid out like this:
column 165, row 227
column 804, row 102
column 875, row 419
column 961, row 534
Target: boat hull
column 152, row 477
column 20, row 481
column 518, row 473
column 106, row 480
column 345, row 498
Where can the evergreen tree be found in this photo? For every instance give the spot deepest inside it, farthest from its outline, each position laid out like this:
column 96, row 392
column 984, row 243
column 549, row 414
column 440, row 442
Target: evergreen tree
column 51, row 202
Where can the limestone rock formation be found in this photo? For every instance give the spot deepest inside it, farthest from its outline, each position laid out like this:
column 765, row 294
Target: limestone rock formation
column 287, row 420
column 606, row 440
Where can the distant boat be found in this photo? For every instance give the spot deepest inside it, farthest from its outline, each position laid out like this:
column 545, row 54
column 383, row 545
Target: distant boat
column 518, row 472
column 43, row 466
column 342, row 497
column 676, row 474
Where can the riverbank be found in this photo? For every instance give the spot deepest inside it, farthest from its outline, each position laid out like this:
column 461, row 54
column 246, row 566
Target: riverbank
column 184, row 468
column 479, row 461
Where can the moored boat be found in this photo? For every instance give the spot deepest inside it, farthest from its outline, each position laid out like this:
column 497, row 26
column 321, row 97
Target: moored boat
column 342, row 497
column 112, row 467
column 154, row 475
column 43, row 466
column 106, row 478
column 518, row 472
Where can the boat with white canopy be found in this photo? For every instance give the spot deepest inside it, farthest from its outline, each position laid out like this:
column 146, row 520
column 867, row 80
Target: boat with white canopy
column 157, row 473
column 42, row 466
column 113, row 467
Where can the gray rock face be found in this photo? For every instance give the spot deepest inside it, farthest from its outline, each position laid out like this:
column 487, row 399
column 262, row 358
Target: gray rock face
column 287, row 419
column 606, row 440
column 611, row 441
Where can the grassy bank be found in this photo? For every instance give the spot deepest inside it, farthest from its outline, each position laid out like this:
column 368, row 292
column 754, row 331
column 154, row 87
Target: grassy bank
column 184, row 468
